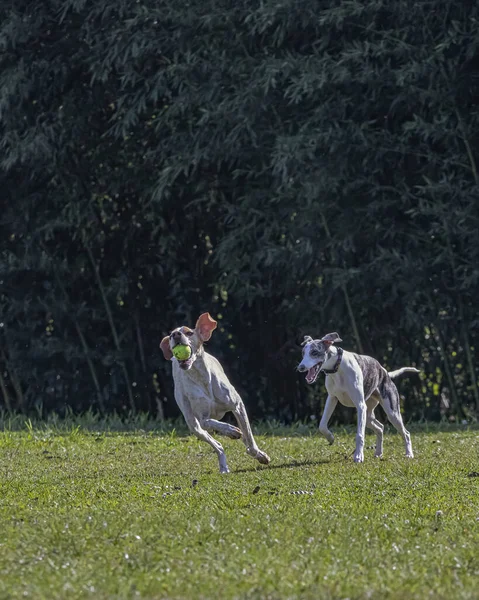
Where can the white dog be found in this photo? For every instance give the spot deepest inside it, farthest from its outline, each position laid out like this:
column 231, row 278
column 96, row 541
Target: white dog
column 358, row 381
column 204, row 393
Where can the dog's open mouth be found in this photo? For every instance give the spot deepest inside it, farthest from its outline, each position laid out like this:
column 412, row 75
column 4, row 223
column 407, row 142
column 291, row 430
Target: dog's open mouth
column 313, row 373
column 186, row 364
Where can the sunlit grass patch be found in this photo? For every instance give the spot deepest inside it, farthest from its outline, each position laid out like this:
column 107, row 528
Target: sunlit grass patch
column 145, row 514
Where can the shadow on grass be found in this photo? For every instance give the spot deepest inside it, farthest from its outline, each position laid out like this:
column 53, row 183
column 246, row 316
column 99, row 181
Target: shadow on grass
column 287, row 465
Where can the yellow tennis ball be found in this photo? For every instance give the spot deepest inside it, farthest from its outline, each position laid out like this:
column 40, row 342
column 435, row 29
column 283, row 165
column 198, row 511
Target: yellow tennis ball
column 182, row 352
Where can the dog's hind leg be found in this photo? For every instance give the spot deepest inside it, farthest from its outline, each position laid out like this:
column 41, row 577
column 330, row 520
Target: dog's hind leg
column 390, row 403
column 251, row 446
column 223, row 428
column 373, row 424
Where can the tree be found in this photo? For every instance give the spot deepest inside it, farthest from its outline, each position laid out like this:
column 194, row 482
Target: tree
column 291, row 167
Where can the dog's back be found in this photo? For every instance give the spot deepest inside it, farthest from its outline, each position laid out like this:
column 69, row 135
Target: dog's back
column 375, row 377
column 373, row 373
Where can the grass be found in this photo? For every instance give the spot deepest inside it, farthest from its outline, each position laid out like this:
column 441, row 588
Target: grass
column 91, row 513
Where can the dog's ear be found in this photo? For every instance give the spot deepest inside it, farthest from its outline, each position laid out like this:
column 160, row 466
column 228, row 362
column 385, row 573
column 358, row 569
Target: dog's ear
column 205, row 325
column 331, row 338
column 307, row 339
column 165, row 347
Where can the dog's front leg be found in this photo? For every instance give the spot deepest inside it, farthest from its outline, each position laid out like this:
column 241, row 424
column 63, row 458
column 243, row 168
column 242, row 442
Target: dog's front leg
column 202, row 434
column 361, row 432
column 329, row 407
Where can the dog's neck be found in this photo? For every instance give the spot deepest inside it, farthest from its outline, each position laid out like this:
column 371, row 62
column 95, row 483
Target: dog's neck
column 333, row 361
column 200, row 356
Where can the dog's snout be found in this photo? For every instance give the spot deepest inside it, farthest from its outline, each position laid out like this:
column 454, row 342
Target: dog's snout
column 176, row 335
column 301, row 368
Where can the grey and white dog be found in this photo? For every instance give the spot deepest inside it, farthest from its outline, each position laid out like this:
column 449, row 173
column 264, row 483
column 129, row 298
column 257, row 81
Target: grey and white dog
column 355, row 380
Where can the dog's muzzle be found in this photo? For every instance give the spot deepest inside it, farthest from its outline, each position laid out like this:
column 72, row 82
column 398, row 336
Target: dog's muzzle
column 312, row 373
column 179, row 339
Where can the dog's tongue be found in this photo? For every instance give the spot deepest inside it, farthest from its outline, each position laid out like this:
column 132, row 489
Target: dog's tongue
column 312, row 373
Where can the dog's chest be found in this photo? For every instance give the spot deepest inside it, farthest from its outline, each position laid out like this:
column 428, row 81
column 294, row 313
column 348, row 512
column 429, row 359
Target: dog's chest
column 337, row 386
column 205, row 389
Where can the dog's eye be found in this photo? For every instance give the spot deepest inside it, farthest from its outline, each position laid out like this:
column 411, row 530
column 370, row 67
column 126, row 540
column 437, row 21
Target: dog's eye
column 314, row 353
column 188, row 333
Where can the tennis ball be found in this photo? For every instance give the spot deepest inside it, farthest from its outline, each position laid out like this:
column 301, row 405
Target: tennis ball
column 182, row 352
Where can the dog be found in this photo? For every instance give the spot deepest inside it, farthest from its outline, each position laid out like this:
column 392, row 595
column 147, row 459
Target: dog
column 355, row 380
column 204, row 394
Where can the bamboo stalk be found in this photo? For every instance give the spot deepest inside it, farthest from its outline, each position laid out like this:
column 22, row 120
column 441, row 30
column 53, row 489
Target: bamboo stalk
column 141, row 348
column 465, row 139
column 467, row 348
column 91, row 366
column 84, row 343
column 159, row 408
column 447, row 368
column 470, row 362
column 15, row 382
column 353, row 319
column 462, row 126
column 346, row 297
column 114, row 332
column 6, row 397
column 18, row 389
column 140, row 342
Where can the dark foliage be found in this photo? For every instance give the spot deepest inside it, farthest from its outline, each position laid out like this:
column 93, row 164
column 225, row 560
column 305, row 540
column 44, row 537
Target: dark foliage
column 293, row 167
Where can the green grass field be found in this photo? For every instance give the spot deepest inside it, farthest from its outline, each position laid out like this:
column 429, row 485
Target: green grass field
column 144, row 514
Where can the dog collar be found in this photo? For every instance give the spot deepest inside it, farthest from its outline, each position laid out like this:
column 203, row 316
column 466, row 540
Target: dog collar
column 337, row 365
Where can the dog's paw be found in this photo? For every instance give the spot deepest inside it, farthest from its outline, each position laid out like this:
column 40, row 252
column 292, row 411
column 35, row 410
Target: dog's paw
column 224, row 469
column 331, row 439
column 359, row 458
column 263, row 458
column 260, row 456
column 234, row 433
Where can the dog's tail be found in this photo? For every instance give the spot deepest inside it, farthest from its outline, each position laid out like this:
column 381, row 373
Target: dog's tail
column 394, row 374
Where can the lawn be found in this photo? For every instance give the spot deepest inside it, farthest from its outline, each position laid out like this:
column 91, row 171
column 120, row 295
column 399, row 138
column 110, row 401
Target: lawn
column 145, row 514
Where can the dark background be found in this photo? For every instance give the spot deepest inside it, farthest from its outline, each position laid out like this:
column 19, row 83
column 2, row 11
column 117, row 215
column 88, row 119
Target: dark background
column 293, row 167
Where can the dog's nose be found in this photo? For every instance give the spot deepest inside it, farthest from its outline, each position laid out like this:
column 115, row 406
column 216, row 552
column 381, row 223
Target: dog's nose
column 176, row 335
column 301, row 368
